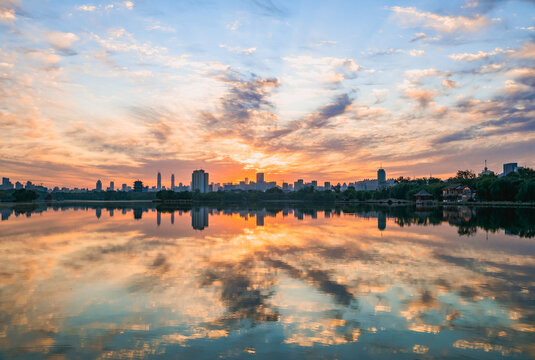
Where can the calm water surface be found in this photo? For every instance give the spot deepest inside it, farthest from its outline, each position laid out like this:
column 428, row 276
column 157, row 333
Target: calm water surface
column 131, row 281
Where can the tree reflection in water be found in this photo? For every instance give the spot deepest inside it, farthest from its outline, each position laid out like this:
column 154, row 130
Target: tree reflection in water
column 134, row 281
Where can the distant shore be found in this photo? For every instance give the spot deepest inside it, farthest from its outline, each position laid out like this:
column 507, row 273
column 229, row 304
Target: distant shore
column 387, row 202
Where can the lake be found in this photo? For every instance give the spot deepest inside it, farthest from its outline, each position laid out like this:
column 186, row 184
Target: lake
column 123, row 281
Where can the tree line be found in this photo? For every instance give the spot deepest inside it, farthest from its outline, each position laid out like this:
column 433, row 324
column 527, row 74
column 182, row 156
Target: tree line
column 515, row 187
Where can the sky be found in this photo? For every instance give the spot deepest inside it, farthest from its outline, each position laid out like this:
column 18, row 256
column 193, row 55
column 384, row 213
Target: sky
column 327, row 91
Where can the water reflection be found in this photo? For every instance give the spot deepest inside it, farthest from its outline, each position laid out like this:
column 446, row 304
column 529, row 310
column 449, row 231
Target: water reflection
column 135, row 281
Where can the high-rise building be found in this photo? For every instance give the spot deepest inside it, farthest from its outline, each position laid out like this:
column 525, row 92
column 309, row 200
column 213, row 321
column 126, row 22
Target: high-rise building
column 327, row 185
column 18, row 185
column 124, row 187
column 509, row 168
column 159, row 181
column 199, row 181
column 260, row 178
column 173, row 182
column 138, row 186
column 6, row 184
column 112, row 186
column 98, row 186
column 381, row 177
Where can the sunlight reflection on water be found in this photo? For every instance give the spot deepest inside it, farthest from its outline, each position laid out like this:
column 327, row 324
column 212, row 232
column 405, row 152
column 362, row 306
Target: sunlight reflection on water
column 131, row 281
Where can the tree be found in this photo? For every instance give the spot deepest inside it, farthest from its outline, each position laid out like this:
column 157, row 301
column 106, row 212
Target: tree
column 465, row 175
column 527, row 191
column 526, row 173
column 23, row 195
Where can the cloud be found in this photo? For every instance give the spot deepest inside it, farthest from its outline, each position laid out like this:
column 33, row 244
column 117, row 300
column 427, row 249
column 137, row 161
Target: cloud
column 323, row 69
column 479, row 55
column 424, row 37
column 412, row 17
column 510, row 112
column 161, row 28
column 128, row 4
column 234, row 26
column 416, row 74
column 380, row 95
column 416, row 52
column 449, row 83
column 269, row 8
column 86, row 8
column 470, row 4
column 392, row 51
column 422, row 96
column 243, row 110
column 338, row 106
column 61, row 41
column 526, row 51
column 238, row 50
column 7, row 15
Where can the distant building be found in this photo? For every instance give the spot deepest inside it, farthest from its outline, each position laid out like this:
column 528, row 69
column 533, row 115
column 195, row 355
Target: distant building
column 509, row 168
column 314, row 184
column 159, row 181
column 457, row 192
column 18, row 185
column 423, row 197
column 6, row 184
column 173, row 182
column 486, row 171
column 299, row 184
column 138, row 186
column 381, row 178
column 98, row 186
column 366, row 185
column 199, row 181
column 327, row 185
column 260, row 185
column 123, row 187
column 112, row 186
column 259, row 178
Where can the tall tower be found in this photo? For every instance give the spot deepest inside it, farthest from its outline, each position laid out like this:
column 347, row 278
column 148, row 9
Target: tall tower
column 159, row 181
column 99, row 185
column 381, row 178
column 172, row 181
column 260, row 181
column 260, row 178
column 199, row 181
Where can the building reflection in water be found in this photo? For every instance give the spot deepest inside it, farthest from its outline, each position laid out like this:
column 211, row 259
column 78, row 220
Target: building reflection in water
column 158, row 218
column 333, row 287
column 138, row 213
column 98, row 212
column 381, row 220
column 260, row 218
column 199, row 218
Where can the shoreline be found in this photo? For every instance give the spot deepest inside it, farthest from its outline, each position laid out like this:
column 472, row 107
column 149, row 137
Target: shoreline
column 386, row 202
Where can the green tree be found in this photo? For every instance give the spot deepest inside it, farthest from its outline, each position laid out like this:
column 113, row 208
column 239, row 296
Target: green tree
column 23, row 195
column 527, row 191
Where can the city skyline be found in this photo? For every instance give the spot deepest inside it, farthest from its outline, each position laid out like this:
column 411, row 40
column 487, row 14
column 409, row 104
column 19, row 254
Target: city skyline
column 200, row 182
column 118, row 90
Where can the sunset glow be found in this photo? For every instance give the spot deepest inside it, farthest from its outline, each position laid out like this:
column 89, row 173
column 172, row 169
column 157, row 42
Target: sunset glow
column 118, row 90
